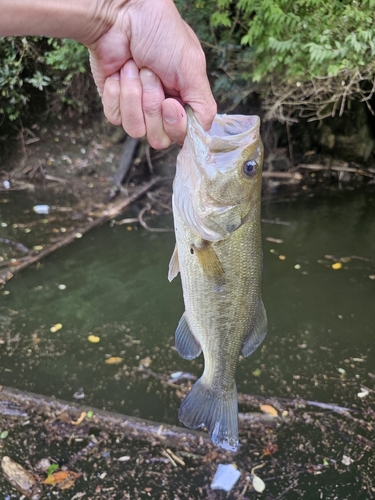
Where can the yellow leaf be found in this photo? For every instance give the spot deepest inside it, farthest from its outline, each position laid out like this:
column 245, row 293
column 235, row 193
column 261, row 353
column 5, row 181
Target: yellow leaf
column 146, row 362
column 270, row 410
column 94, row 339
column 114, row 360
column 62, row 476
column 337, row 265
column 81, row 418
column 55, row 328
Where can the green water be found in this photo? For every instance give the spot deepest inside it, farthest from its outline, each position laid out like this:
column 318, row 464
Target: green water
column 320, row 344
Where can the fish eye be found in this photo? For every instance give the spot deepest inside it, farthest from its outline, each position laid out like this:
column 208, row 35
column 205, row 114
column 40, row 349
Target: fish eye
column 249, row 167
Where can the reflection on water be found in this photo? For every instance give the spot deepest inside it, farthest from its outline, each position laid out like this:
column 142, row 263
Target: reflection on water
column 320, row 344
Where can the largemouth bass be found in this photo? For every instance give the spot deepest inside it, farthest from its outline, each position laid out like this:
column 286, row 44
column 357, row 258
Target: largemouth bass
column 216, row 210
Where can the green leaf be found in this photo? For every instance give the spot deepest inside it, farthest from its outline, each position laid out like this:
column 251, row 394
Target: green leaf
column 51, row 469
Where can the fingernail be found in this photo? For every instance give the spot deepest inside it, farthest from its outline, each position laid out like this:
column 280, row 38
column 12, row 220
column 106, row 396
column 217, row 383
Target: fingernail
column 170, row 118
column 149, row 79
column 130, row 70
column 115, row 76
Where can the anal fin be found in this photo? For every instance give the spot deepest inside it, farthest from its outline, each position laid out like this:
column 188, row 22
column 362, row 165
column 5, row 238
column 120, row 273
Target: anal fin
column 256, row 335
column 187, row 345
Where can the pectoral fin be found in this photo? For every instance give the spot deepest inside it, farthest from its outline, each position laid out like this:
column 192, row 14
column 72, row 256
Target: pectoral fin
column 208, row 260
column 256, row 336
column 174, row 266
column 187, row 345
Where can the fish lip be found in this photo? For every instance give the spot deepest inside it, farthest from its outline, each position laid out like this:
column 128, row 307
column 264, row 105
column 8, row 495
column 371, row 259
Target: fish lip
column 218, row 138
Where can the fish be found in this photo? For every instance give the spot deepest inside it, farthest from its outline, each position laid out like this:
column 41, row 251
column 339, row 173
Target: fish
column 216, row 210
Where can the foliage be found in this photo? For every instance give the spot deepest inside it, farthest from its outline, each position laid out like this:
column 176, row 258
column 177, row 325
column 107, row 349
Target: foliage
column 286, row 41
column 35, row 67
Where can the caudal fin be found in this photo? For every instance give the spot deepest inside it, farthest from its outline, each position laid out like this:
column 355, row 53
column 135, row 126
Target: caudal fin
column 218, row 411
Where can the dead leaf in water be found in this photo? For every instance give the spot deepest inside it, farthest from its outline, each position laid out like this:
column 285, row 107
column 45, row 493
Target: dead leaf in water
column 80, row 419
column 65, row 479
column 270, row 410
column 55, row 328
column 270, row 449
column 114, row 360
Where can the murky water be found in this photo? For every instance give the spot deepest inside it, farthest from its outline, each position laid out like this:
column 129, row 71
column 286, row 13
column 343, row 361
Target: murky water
column 320, row 344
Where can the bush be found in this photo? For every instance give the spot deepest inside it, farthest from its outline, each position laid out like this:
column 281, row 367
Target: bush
column 33, row 67
column 287, row 48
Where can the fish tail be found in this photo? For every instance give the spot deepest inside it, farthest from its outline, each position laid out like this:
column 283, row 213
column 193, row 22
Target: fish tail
column 216, row 410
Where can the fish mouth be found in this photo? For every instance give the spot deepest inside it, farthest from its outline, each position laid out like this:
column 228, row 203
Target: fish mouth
column 227, row 133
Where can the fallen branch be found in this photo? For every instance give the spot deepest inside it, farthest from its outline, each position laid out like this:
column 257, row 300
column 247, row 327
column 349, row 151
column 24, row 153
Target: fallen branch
column 148, row 228
column 336, row 168
column 112, row 212
column 132, row 427
column 282, row 175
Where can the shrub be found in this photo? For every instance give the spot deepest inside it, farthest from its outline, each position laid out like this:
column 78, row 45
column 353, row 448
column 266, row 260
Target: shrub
column 286, row 48
column 31, row 67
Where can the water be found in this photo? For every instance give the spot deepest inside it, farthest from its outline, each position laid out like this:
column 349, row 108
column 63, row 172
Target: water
column 320, row 344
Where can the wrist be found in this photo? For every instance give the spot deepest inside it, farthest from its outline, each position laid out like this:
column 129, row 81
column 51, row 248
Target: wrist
column 81, row 20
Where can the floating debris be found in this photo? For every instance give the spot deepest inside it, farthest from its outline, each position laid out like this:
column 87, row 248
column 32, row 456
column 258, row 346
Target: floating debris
column 225, row 478
column 41, row 209
column 346, row 460
column 94, row 339
column 55, row 328
column 114, row 360
column 337, row 265
column 364, row 392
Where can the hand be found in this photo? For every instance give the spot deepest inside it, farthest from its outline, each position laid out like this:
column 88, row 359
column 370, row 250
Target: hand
column 147, row 65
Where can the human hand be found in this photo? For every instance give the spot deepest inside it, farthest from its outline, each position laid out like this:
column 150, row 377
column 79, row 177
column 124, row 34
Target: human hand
column 147, row 65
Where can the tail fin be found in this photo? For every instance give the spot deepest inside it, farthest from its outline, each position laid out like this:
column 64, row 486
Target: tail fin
column 218, row 411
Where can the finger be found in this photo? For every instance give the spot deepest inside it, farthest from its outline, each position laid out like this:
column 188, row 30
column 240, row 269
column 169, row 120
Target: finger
column 131, row 100
column 195, row 86
column 111, row 99
column 152, row 100
column 174, row 120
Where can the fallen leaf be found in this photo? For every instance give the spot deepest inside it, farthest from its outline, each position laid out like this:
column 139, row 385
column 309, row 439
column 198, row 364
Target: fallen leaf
column 362, row 394
column 4, row 434
column 270, row 449
column 81, row 418
column 114, row 360
column 258, row 484
column 270, row 410
column 146, row 362
column 256, row 372
column 64, row 479
column 337, row 265
column 94, row 339
column 55, row 328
